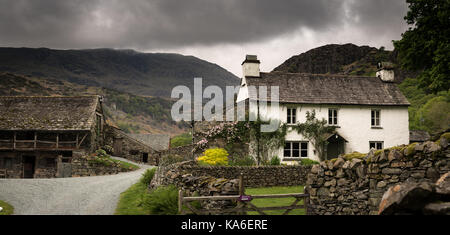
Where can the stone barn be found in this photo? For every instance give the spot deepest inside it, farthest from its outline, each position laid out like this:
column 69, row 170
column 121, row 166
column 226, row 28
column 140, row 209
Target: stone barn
column 131, row 147
column 40, row 135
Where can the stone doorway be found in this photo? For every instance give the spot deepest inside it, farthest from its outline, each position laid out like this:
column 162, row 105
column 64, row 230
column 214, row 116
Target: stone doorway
column 118, row 143
column 145, row 157
column 29, row 165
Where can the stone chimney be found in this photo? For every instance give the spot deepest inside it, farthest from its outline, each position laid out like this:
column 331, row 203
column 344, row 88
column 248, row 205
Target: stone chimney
column 250, row 67
column 386, row 71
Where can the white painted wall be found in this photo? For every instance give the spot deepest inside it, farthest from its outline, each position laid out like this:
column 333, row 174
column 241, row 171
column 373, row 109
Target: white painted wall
column 354, row 123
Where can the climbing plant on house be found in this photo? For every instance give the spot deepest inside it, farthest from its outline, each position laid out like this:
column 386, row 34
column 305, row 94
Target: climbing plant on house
column 266, row 141
column 315, row 131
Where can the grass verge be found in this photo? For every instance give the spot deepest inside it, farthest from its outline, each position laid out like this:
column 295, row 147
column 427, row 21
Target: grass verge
column 271, row 202
column 7, row 209
column 131, row 201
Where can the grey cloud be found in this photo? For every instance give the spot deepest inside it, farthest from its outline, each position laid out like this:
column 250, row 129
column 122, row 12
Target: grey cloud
column 156, row 24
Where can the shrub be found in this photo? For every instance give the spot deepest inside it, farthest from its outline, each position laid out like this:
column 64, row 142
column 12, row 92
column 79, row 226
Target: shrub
column 162, row 201
column 308, row 162
column 108, row 149
column 101, row 153
column 244, row 161
column 214, row 157
column 275, row 161
column 148, row 176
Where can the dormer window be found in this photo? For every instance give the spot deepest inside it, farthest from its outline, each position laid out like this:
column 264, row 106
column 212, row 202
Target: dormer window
column 291, row 116
column 332, row 117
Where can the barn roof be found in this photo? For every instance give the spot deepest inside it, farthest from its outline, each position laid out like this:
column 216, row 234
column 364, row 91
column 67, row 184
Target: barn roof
column 47, row 113
column 305, row 88
column 158, row 142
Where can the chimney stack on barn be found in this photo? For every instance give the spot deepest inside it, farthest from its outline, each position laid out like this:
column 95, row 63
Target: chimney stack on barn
column 250, row 67
column 385, row 71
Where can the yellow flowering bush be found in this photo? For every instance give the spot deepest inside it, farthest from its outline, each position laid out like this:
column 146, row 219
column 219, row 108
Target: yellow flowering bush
column 214, row 157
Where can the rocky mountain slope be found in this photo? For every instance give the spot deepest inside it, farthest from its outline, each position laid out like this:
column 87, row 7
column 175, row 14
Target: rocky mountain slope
column 342, row 59
column 147, row 74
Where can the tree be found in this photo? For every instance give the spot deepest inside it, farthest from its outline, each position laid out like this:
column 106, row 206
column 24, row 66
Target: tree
column 315, row 131
column 425, row 45
column 435, row 115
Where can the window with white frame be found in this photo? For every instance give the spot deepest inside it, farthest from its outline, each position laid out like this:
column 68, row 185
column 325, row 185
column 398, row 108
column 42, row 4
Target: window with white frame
column 332, row 117
column 376, row 145
column 291, row 116
column 296, row 149
column 375, row 120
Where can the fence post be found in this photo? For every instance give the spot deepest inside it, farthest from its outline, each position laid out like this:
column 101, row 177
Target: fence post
column 241, row 192
column 306, row 202
column 180, row 202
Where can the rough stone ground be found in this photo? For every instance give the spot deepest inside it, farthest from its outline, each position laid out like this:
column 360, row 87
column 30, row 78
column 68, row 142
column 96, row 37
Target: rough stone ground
column 96, row 195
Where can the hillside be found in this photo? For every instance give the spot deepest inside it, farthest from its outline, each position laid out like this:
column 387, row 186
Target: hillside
column 146, row 74
column 342, row 59
column 130, row 112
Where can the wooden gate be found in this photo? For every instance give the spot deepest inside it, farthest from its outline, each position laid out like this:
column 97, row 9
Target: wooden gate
column 64, row 170
column 244, row 203
column 118, row 142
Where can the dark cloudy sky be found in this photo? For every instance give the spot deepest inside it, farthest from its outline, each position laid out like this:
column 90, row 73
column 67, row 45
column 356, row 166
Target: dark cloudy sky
column 220, row 31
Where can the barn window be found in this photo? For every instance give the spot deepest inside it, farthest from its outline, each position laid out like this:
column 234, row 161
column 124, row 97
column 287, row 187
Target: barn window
column 7, row 163
column 50, row 162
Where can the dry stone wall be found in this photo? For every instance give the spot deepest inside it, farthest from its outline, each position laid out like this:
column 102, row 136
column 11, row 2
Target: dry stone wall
column 87, row 166
column 254, row 176
column 356, row 186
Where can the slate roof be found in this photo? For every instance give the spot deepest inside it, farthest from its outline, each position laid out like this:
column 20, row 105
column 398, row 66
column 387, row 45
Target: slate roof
column 47, row 113
column 418, row 136
column 302, row 88
column 158, row 142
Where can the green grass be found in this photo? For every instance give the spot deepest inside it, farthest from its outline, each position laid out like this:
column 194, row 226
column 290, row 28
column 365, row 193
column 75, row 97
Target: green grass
column 181, row 140
column 131, row 201
column 126, row 165
column 7, row 209
column 107, row 161
column 271, row 202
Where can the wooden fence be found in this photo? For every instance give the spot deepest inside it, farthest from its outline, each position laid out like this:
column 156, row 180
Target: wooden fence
column 244, row 203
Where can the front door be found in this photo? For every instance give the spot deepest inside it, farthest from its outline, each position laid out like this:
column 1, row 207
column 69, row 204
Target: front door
column 335, row 147
column 29, row 163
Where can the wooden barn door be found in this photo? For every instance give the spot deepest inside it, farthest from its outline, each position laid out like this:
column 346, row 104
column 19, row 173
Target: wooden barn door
column 118, row 143
column 29, row 164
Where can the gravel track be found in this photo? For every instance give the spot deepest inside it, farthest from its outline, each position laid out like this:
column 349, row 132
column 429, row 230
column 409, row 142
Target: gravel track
column 96, row 195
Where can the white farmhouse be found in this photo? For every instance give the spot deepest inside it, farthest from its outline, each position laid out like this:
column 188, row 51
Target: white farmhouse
column 369, row 112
